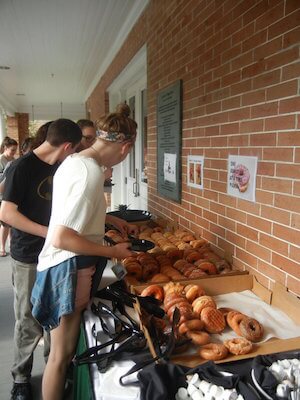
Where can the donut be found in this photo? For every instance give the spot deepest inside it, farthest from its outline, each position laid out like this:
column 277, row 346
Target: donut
column 234, row 319
column 175, row 254
column 197, row 243
column 238, row 346
column 134, row 269
column 213, row 319
column 193, row 291
column 182, row 306
column 154, row 291
column 129, row 260
column 176, row 301
column 179, row 264
column 213, row 351
column 241, row 176
column 226, row 310
column 208, row 267
column 183, row 246
column 193, row 256
column 251, row 329
column 148, row 270
column 188, row 238
column 173, row 287
column 196, row 273
column 191, row 325
column 201, row 302
column 199, row 338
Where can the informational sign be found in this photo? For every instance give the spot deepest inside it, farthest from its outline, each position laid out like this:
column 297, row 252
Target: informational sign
column 195, row 171
column 241, row 178
column 169, row 138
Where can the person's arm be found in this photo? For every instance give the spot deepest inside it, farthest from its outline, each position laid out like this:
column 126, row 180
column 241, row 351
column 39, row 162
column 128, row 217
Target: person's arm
column 68, row 239
column 9, row 213
column 123, row 226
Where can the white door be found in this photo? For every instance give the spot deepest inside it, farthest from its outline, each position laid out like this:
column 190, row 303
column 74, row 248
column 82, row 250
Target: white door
column 136, row 162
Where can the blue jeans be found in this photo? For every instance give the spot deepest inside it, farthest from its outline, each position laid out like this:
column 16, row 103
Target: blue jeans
column 53, row 294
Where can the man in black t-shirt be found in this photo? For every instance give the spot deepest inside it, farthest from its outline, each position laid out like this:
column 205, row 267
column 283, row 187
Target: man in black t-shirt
column 26, row 207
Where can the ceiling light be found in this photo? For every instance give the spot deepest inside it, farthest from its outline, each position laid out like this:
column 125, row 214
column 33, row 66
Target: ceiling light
column 4, row 67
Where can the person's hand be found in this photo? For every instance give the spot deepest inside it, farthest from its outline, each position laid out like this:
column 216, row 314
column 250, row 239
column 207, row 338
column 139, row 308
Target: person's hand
column 122, row 250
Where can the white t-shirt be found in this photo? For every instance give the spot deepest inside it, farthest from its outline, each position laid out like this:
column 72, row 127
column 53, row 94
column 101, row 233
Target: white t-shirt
column 78, row 203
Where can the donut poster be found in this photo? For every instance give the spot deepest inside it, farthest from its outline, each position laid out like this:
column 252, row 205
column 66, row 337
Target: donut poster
column 195, row 171
column 241, row 179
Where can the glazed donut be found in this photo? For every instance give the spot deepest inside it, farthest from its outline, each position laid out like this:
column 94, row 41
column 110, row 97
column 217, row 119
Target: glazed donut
column 175, row 254
column 234, row 319
column 208, row 267
column 154, row 291
column 188, row 270
column 213, row 320
column 191, row 325
column 183, row 246
column 225, row 311
column 174, row 301
column 183, row 307
column 200, row 338
column 193, row 256
column 238, row 346
column 193, row 291
column 186, row 313
column 188, row 238
column 201, row 302
column 251, row 329
column 134, row 269
column 197, row 243
column 213, row 351
column 179, row 264
column 196, row 273
column 173, row 287
column 148, row 271
column 129, row 260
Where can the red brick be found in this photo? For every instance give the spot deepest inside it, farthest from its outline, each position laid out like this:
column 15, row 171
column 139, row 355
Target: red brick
column 274, row 244
column 251, row 126
column 236, row 215
column 289, row 138
column 291, row 5
column 246, row 257
column 277, row 185
column 242, row 60
column 286, row 265
column 275, row 214
column 259, row 9
column 293, row 285
column 287, row 203
column 278, row 154
column 241, row 87
column 259, row 223
column 269, row 270
column 289, row 105
column 266, row 79
column 295, row 223
column 257, row 96
column 282, row 58
column 267, row 49
column 284, row 25
column 264, row 197
column 297, row 155
column 264, row 110
column 235, row 239
column 288, row 171
column 262, row 139
column 296, row 191
column 294, row 253
column 285, row 89
column 280, row 123
column 286, row 233
column 270, row 16
column 291, row 37
column 246, row 232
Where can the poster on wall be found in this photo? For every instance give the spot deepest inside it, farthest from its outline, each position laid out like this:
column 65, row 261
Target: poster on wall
column 169, row 121
column 241, row 178
column 195, row 171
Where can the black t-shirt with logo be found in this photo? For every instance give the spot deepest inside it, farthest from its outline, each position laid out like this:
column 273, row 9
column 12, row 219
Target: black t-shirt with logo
column 29, row 185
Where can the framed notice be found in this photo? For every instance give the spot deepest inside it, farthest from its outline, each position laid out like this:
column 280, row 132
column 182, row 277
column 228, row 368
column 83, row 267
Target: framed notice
column 241, row 178
column 169, row 138
column 195, row 171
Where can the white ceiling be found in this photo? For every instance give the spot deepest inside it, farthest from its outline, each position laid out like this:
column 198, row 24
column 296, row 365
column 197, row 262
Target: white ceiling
column 57, row 51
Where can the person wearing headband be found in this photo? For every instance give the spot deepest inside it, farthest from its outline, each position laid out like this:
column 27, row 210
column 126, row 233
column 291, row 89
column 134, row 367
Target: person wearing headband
column 73, row 257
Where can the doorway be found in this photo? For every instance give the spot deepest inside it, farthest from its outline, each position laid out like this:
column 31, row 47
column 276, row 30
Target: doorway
column 130, row 177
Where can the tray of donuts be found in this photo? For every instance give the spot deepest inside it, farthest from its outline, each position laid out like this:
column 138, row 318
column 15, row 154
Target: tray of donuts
column 176, row 265
column 215, row 332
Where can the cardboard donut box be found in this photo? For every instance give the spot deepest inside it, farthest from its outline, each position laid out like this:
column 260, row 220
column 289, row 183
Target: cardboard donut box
column 213, row 286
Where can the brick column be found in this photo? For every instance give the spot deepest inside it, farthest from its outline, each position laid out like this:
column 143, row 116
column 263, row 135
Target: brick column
column 18, row 127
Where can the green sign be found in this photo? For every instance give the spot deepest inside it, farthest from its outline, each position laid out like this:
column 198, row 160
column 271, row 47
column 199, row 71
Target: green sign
column 169, row 141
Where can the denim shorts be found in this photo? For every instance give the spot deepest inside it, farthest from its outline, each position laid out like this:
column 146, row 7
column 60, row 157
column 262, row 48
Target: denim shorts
column 53, row 294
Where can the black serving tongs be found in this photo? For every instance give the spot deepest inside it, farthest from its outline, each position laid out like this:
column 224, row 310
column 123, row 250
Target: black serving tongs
column 148, row 303
column 161, row 355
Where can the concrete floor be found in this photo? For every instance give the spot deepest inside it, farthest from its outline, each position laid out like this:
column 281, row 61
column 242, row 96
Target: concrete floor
column 7, row 321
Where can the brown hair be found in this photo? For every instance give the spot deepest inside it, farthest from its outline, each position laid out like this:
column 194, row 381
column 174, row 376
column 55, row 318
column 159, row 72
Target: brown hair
column 7, row 142
column 119, row 122
column 85, row 123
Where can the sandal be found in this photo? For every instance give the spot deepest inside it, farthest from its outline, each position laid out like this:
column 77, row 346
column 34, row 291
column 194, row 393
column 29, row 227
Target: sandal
column 3, row 254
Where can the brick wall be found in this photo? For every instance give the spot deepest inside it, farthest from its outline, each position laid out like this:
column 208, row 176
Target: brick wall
column 18, row 127
column 240, row 66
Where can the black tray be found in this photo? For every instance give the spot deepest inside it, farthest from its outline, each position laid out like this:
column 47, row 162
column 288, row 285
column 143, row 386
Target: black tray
column 136, row 244
column 132, row 215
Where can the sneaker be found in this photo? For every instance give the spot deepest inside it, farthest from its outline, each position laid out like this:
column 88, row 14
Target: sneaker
column 21, row 391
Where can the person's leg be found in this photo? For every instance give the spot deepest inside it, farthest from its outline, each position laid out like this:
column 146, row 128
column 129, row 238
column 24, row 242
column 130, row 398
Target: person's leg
column 27, row 330
column 4, row 231
column 63, row 345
